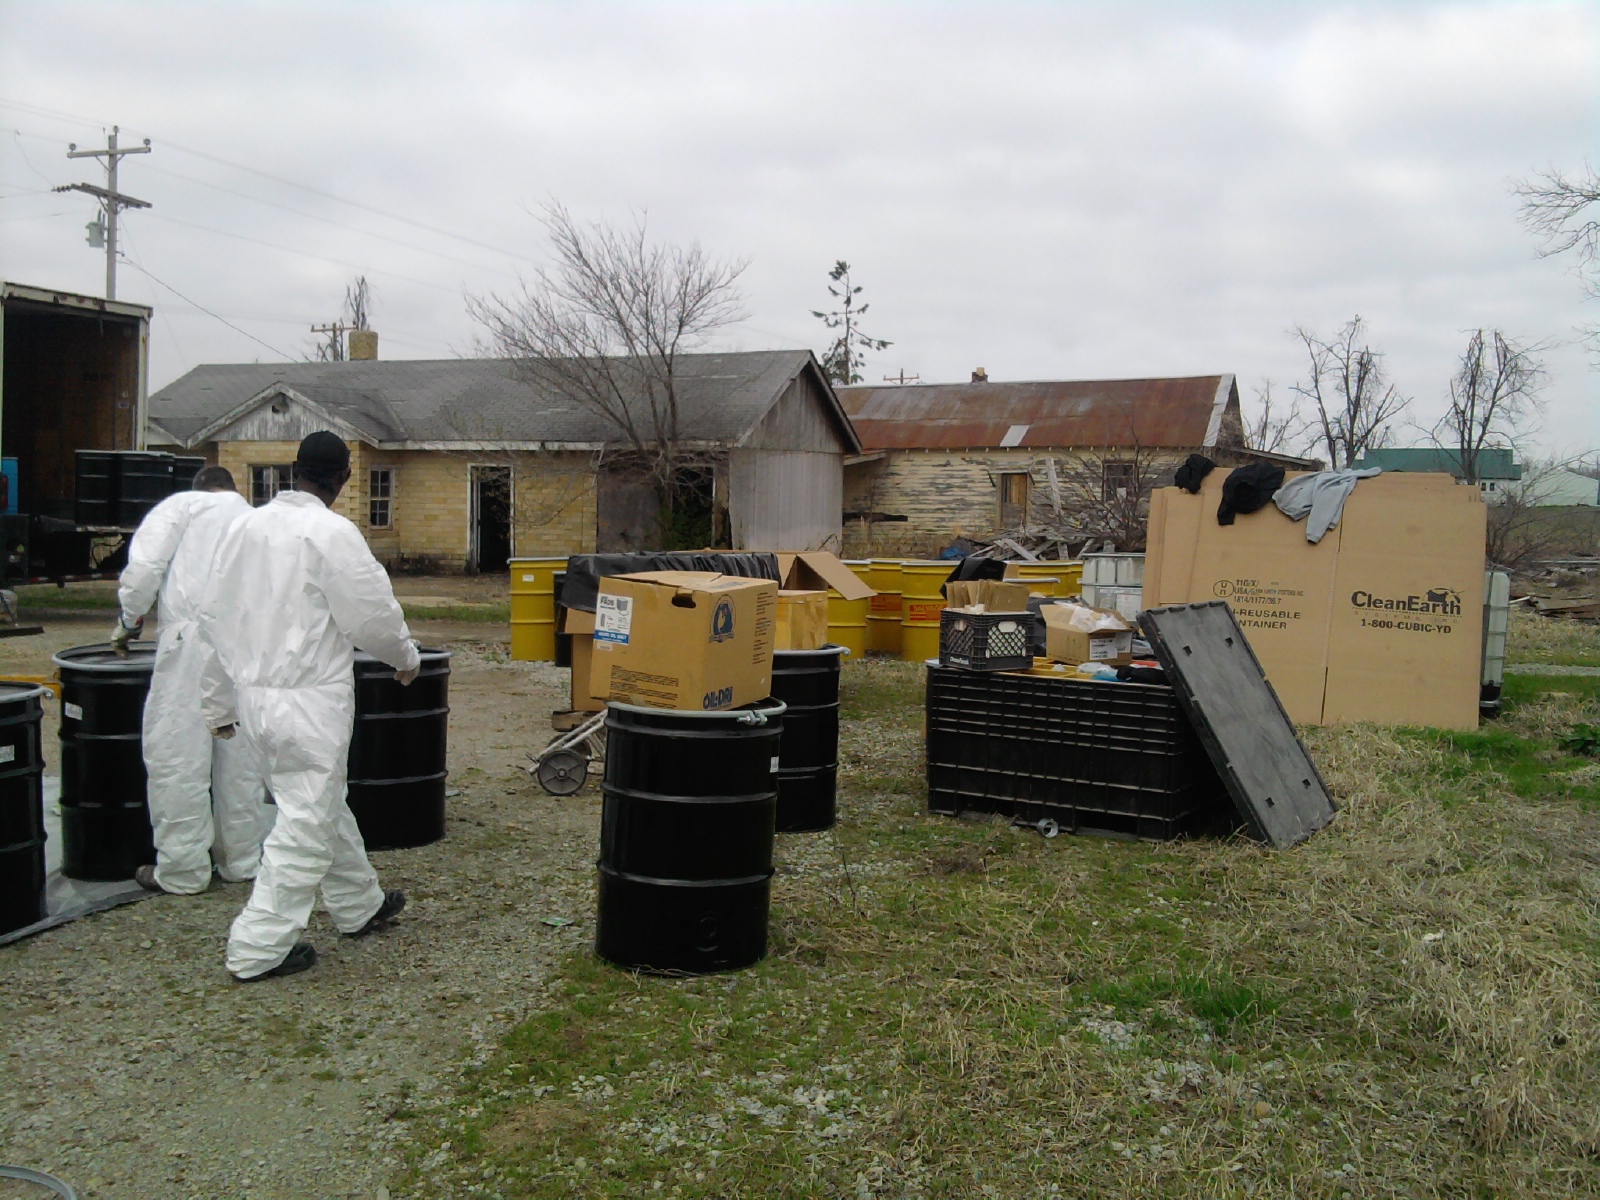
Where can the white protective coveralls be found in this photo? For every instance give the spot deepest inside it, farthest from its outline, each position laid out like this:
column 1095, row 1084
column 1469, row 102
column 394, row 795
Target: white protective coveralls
column 207, row 798
column 294, row 593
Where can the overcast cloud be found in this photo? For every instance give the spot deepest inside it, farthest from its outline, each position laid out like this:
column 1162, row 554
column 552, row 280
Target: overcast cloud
column 1050, row 191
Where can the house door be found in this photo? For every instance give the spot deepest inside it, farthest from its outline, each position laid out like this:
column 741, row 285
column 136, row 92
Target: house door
column 491, row 518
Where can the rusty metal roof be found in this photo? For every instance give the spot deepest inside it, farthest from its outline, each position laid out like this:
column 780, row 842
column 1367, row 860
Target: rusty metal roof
column 1179, row 413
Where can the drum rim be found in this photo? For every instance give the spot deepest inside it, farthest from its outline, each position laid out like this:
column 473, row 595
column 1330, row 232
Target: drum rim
column 140, row 658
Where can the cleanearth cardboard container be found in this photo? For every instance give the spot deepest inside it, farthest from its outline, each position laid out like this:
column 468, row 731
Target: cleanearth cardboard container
column 683, row 639
column 1379, row 621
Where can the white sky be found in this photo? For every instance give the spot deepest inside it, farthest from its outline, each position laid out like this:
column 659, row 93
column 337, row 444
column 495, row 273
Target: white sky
column 1050, row 191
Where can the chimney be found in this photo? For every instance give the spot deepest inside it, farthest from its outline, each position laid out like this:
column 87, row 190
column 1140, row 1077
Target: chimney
column 979, row 375
column 363, row 345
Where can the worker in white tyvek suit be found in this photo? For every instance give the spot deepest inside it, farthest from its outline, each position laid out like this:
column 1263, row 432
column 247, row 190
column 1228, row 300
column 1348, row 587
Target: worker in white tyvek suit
column 207, row 798
column 294, row 593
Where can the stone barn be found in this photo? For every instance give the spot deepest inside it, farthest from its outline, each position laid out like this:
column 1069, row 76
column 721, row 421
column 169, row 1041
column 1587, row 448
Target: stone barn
column 459, row 464
column 980, row 459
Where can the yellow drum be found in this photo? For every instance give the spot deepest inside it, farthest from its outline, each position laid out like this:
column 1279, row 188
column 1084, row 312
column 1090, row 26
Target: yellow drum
column 533, row 608
column 1068, row 576
column 921, row 604
column 847, row 622
column 883, row 621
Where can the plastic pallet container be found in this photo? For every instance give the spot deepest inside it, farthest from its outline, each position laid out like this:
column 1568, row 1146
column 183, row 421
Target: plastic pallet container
column 985, row 641
column 1119, row 758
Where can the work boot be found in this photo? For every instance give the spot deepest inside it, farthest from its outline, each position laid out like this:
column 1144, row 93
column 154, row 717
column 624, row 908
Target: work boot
column 393, row 901
column 302, row 957
column 145, row 877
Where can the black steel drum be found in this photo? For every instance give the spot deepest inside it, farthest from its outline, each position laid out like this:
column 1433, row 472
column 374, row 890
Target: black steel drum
column 21, row 806
column 98, row 477
column 397, row 752
column 686, row 832
column 105, row 817
column 808, row 682
column 146, row 481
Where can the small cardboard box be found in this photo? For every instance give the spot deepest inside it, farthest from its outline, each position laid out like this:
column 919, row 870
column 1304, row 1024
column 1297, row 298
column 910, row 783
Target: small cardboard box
column 683, row 639
column 816, row 570
column 1072, row 646
column 802, row 620
column 580, row 625
column 993, row 594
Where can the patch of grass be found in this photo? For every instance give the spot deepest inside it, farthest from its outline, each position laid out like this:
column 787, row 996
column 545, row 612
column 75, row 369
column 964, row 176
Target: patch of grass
column 45, row 596
column 1531, row 638
column 1403, row 1005
column 481, row 614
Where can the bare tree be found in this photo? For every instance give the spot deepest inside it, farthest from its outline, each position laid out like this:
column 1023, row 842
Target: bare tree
column 1557, row 208
column 605, row 328
column 842, row 360
column 1494, row 391
column 1274, row 430
column 1522, row 528
column 1105, row 493
column 1353, row 404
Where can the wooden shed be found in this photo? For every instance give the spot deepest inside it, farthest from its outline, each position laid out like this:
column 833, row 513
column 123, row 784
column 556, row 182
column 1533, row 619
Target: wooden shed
column 461, row 463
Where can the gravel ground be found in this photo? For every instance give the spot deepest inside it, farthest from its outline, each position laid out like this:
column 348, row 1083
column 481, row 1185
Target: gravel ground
column 135, row 1068
column 1548, row 669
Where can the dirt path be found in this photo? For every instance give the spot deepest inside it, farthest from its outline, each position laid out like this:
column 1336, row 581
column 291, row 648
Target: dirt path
column 134, row 1067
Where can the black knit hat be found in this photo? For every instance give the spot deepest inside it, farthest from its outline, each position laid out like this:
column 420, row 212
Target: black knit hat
column 322, row 455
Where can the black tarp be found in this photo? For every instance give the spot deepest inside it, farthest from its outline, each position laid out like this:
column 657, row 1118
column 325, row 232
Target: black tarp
column 584, row 571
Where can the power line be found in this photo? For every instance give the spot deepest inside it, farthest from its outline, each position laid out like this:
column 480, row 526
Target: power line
column 112, row 202
column 338, row 262
column 330, row 221
column 204, row 309
column 72, row 118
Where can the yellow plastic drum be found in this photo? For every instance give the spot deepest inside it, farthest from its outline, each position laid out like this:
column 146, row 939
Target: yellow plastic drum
column 883, row 619
column 533, row 608
column 847, row 622
column 921, row 604
column 1068, row 576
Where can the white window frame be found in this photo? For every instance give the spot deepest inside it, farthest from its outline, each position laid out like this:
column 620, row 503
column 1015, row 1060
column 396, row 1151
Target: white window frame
column 386, row 499
column 261, row 490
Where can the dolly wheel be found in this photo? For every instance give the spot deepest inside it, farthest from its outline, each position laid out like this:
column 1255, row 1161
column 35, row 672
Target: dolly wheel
column 562, row 772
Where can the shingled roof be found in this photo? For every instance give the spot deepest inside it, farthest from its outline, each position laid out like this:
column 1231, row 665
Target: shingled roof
column 411, row 403
column 1186, row 413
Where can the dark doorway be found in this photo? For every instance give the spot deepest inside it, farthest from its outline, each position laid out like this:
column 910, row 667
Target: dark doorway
column 491, row 518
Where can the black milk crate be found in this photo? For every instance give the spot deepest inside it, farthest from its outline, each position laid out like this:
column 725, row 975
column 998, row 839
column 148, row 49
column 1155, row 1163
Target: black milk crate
column 1113, row 757
column 985, row 641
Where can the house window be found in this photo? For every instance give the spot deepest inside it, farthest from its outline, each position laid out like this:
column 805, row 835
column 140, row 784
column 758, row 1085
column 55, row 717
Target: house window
column 267, row 481
column 1013, row 499
column 1117, row 480
column 380, row 494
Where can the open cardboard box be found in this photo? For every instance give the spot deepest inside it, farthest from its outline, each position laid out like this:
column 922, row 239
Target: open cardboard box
column 818, row 570
column 802, row 621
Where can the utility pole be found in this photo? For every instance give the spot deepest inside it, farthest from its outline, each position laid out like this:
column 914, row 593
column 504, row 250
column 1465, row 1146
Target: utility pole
column 110, row 199
column 902, row 378
column 335, row 332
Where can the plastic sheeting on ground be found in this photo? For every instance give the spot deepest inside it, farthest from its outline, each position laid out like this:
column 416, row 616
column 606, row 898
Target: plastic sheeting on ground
column 68, row 899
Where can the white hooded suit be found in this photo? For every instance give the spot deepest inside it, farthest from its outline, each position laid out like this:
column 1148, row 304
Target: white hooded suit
column 294, row 593
column 207, row 798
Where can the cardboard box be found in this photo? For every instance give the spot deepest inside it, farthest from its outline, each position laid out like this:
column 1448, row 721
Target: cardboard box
column 802, row 621
column 580, row 625
column 683, row 639
column 817, row 570
column 1063, row 644
column 1379, row 621
column 994, row 595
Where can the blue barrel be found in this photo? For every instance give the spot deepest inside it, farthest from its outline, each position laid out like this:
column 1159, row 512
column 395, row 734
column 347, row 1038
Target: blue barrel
column 21, row 806
column 105, row 814
column 689, row 804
